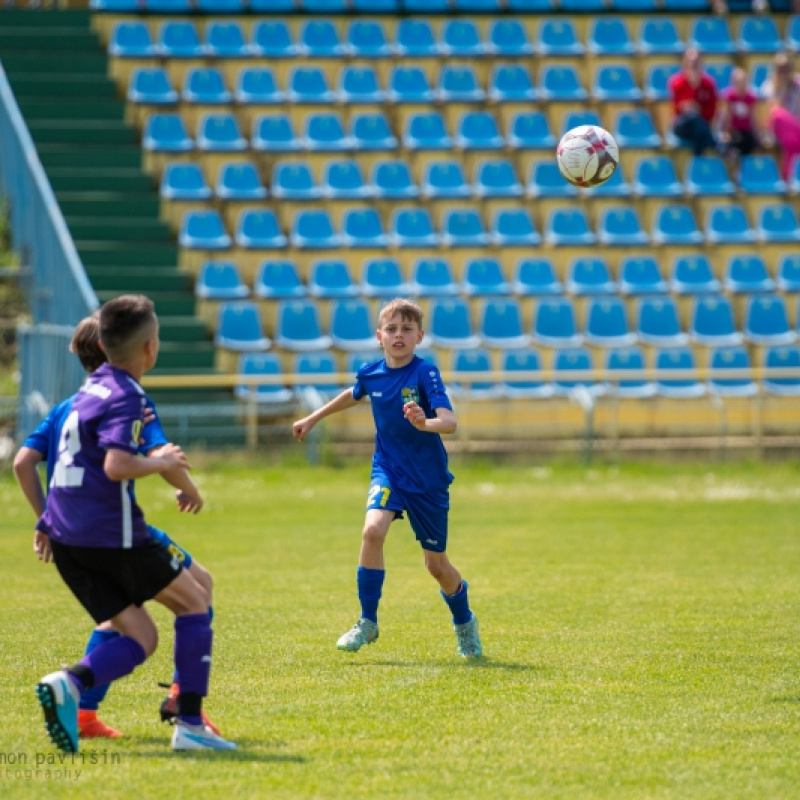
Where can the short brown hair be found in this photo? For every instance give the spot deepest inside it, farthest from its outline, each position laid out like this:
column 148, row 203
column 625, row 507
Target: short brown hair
column 86, row 343
column 125, row 323
column 407, row 309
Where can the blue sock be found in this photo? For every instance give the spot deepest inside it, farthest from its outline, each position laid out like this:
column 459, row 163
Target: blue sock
column 459, row 604
column 175, row 678
column 370, row 586
column 91, row 698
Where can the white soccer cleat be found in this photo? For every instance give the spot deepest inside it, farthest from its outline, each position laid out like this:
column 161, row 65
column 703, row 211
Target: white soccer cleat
column 198, row 737
column 59, row 698
column 365, row 631
column 469, row 642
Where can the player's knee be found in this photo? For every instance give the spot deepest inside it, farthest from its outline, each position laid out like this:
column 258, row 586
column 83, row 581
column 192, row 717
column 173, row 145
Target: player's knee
column 147, row 638
column 203, row 577
column 372, row 534
column 436, row 564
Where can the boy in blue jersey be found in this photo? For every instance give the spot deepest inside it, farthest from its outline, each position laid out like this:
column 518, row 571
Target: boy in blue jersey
column 99, row 540
column 411, row 410
column 41, row 445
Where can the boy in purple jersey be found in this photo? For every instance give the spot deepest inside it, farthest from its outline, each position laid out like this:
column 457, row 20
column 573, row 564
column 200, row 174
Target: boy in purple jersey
column 99, row 539
column 41, row 445
column 411, row 410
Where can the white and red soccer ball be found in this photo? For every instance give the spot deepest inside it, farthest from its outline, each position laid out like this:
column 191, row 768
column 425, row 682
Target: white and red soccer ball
column 587, row 155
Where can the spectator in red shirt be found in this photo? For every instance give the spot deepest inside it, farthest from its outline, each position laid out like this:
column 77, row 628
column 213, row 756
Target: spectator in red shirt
column 737, row 127
column 694, row 100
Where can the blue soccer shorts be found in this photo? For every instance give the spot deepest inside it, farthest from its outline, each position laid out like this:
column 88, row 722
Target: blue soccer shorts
column 427, row 511
column 183, row 556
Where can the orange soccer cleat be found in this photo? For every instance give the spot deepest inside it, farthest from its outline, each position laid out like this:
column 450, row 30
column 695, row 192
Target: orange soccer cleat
column 91, row 727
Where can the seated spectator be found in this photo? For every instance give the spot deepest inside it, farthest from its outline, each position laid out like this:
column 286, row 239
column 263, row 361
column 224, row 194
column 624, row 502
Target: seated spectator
column 694, row 101
column 737, row 125
column 782, row 92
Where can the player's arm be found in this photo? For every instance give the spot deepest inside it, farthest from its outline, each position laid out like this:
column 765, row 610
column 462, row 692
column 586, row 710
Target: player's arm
column 26, row 464
column 189, row 497
column 122, row 465
column 341, row 402
column 444, row 421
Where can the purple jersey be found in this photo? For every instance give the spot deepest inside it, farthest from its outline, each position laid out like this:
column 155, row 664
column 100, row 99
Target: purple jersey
column 85, row 508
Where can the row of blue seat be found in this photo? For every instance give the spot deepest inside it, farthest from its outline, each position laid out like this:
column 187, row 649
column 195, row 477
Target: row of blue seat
column 431, row 277
column 320, row 38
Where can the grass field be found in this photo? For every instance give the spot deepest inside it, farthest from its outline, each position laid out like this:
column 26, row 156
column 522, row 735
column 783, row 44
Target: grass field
column 640, row 625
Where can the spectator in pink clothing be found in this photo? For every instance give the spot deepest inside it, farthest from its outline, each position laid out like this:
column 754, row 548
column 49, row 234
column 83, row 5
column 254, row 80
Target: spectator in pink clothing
column 782, row 91
column 737, row 124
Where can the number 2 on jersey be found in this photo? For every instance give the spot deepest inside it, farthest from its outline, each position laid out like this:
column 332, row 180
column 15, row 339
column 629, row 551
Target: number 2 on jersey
column 66, row 474
column 374, row 491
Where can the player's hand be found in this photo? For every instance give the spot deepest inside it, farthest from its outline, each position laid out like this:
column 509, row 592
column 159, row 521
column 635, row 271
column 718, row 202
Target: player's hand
column 191, row 503
column 174, row 456
column 415, row 415
column 41, row 546
column 301, row 428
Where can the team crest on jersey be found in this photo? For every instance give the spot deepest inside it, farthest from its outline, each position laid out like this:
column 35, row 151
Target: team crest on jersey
column 410, row 394
column 136, row 432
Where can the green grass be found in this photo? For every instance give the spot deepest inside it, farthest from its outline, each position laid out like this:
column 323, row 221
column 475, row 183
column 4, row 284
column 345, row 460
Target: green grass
column 640, row 625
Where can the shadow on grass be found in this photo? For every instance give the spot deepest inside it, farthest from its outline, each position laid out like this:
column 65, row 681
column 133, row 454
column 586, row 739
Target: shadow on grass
column 472, row 663
column 242, row 754
column 786, row 699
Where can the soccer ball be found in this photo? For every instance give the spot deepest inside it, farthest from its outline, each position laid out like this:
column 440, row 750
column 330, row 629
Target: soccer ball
column 587, row 155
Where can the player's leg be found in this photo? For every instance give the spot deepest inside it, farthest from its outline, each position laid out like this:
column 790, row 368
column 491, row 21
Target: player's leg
column 90, row 726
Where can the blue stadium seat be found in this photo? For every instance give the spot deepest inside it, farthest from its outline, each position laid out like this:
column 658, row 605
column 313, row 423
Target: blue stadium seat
column 382, row 277
column 530, row 130
column 273, row 6
column 152, row 86
column 621, row 227
column 535, row 276
column 319, row 39
column 463, row 227
column 362, row 227
column 615, row 83
column 278, row 279
column 426, row 131
column 759, row 34
column 484, row 276
column 777, row 222
column 759, row 73
column 367, row 39
column 686, row 5
column 782, row 358
column 641, row 275
column 271, row 38
column 759, row 174
column 728, row 224
column 607, row 323
column 131, row 40
column 313, row 230
column 371, row 131
column 657, row 322
column 721, row 72
column 655, row 177
column 166, row 133
column 408, row 84
column 451, row 325
column 581, row 6
column 546, row 180
column 226, row 40
column 692, row 274
column 325, row 6
column 412, row 227
column 513, row 227
column 308, row 85
column 589, row 276
column 627, row 360
column 656, row 80
column 298, row 326
column 575, row 119
column 325, row 132
column 431, row 277
column 239, row 181
column 359, row 84
column 675, row 224
column 747, row 274
column 726, row 358
column 511, row 83
column 178, row 39
column 558, row 37
column 391, row 180
column 793, row 33
column 712, row 321
column 205, row 85
column 258, row 364
column 500, row 323
column 219, row 6
column 711, row 35
column 293, row 180
column 659, row 35
column 274, row 133
column 635, row 129
column 561, row 83
column 220, row 133
column 343, row 180
column 239, row 327
column 444, row 179
column 259, row 229
column 477, row 130
column 203, row 230
column 609, row 36
column 415, row 39
column 329, row 279
column 184, row 182
column 766, row 321
column 554, row 323
column 528, row 388
column 495, row 179
column 677, row 359
column 167, row 6
column 478, row 5
column 574, row 360
column 473, row 360
column 789, row 273
column 530, row 5
column 118, row 6
column 220, row 280
column 508, row 39
column 257, row 85
column 461, row 39
column 568, row 227
column 351, row 326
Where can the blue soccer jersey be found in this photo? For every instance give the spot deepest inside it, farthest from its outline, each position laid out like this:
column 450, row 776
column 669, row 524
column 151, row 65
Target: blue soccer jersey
column 414, row 460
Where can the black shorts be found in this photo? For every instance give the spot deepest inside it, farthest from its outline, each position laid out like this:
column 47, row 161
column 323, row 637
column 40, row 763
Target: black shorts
column 107, row 580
